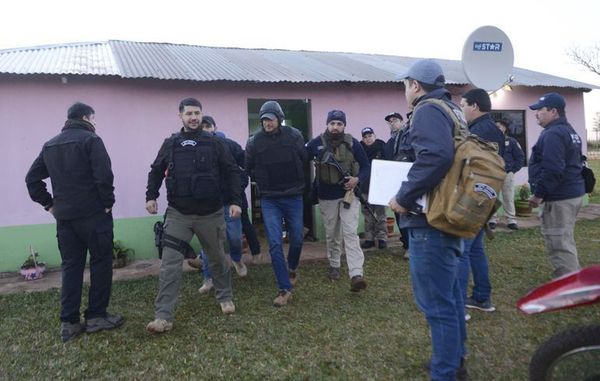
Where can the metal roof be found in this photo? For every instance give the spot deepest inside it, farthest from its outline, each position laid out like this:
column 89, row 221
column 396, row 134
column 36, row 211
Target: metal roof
column 129, row 59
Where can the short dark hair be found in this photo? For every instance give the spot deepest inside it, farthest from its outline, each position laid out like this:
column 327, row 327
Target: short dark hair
column 479, row 96
column 78, row 110
column 189, row 102
column 503, row 121
column 426, row 86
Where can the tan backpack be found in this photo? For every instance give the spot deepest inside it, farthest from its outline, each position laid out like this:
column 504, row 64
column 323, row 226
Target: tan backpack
column 468, row 196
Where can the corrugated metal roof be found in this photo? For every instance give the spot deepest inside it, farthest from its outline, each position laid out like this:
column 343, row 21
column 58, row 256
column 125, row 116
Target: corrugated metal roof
column 128, row 59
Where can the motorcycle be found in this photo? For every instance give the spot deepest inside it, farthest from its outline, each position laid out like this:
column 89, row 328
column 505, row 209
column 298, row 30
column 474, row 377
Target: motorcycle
column 573, row 354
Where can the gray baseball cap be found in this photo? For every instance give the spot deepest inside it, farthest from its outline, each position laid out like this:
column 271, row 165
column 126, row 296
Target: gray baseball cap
column 426, row 71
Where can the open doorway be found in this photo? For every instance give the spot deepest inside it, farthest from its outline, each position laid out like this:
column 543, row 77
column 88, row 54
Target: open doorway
column 297, row 114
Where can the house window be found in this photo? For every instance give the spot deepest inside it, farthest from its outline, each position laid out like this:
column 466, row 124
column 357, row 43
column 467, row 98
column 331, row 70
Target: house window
column 516, row 128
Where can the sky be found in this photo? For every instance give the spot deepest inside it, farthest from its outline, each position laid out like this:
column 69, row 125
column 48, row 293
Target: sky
column 541, row 32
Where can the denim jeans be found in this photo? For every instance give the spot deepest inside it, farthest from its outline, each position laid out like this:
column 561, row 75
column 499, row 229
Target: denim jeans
column 274, row 211
column 474, row 259
column 233, row 231
column 433, row 269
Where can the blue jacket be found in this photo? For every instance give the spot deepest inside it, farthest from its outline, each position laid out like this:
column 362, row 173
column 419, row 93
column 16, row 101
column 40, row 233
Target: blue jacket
column 430, row 136
column 486, row 129
column 555, row 163
column 514, row 158
column 334, row 192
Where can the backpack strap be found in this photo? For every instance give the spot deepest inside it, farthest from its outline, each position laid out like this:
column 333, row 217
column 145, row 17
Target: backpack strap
column 460, row 124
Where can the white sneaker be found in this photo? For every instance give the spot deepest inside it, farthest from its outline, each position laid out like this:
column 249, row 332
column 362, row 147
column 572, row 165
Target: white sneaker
column 207, row 285
column 467, row 317
column 228, row 307
column 240, row 268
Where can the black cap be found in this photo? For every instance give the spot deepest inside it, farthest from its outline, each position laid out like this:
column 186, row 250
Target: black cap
column 366, row 130
column 209, row 120
column 393, row 115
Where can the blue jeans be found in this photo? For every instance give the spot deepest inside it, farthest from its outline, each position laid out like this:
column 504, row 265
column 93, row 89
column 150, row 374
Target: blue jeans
column 433, row 270
column 274, row 211
column 474, row 259
column 233, row 230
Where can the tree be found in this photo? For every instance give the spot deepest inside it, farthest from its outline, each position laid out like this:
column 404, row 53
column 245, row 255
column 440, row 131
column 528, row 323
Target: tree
column 596, row 125
column 588, row 57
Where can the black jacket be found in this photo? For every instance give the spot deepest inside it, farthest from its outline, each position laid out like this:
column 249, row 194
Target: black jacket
column 228, row 170
column 80, row 172
column 276, row 162
column 555, row 164
column 374, row 151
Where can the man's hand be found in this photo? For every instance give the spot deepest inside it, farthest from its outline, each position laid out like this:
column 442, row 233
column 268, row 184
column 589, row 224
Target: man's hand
column 51, row 210
column 234, row 211
column 534, row 202
column 152, row 206
column 351, row 183
column 397, row 207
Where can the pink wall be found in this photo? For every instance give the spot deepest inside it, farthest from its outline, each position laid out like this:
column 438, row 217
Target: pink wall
column 134, row 116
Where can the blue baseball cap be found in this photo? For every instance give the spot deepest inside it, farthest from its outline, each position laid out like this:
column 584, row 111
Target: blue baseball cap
column 426, row 71
column 550, row 100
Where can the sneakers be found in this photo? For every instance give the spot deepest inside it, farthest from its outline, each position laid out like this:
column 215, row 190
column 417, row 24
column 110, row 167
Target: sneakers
column 159, row 326
column 228, row 307
column 69, row 331
column 467, row 317
column 492, row 225
column 207, row 285
column 293, row 278
column 103, row 323
column 240, row 268
column 512, row 226
column 357, row 283
column 367, row 244
column 282, row 299
column 333, row 273
column 482, row 306
column 381, row 244
column 406, row 255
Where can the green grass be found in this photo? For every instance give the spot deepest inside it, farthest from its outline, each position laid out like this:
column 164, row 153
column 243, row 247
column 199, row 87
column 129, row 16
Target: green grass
column 595, row 195
column 325, row 333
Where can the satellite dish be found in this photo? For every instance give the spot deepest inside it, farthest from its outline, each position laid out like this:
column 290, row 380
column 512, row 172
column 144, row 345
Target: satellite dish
column 488, row 58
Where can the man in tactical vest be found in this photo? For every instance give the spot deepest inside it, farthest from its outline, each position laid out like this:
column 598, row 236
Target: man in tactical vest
column 192, row 163
column 433, row 253
column 275, row 160
column 341, row 163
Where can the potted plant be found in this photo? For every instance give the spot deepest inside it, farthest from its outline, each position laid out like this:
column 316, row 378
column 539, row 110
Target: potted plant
column 32, row 268
column 121, row 255
column 522, row 207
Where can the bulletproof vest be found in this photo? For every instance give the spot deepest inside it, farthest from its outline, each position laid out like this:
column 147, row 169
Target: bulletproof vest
column 278, row 167
column 343, row 154
column 193, row 169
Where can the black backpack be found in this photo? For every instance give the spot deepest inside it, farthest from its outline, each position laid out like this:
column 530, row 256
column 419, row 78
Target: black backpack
column 588, row 176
